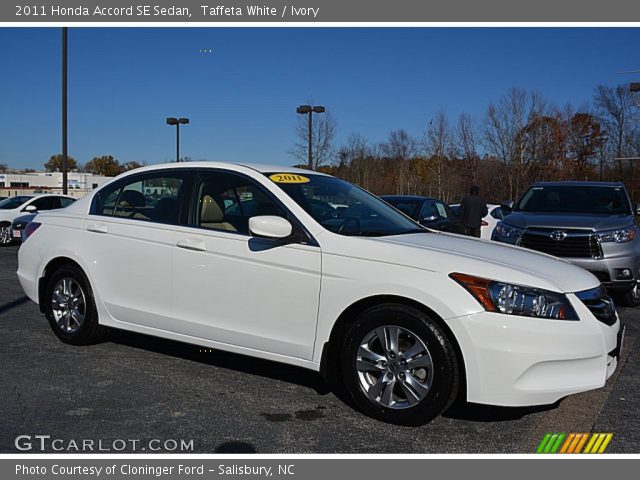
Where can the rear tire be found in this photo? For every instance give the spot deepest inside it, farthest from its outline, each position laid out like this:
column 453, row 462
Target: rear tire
column 70, row 307
column 399, row 366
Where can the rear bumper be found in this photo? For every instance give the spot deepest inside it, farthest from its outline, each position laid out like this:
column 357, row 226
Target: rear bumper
column 518, row 361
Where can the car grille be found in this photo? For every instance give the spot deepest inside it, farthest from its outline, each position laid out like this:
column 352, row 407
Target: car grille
column 600, row 304
column 575, row 244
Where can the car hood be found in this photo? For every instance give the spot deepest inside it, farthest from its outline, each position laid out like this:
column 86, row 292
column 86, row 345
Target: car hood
column 564, row 220
column 449, row 253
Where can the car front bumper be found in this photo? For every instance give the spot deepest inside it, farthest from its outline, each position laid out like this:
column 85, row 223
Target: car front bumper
column 520, row 361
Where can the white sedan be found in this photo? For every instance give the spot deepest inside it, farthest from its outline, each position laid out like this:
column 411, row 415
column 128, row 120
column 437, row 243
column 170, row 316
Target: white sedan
column 489, row 221
column 249, row 259
column 14, row 207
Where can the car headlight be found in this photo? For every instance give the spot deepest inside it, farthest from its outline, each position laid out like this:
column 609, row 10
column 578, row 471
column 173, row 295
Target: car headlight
column 511, row 299
column 620, row 235
column 506, row 230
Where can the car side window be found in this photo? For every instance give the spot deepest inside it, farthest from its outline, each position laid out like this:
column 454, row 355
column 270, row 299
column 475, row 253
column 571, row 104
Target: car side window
column 153, row 198
column 497, row 213
column 226, row 202
column 65, row 202
column 44, row 203
column 428, row 210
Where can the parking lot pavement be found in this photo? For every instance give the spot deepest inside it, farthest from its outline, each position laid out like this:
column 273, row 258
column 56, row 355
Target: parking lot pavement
column 141, row 388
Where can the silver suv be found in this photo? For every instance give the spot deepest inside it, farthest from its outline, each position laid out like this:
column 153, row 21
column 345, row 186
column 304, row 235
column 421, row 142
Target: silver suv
column 590, row 224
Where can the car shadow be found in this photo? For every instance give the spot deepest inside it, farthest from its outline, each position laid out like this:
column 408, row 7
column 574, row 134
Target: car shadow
column 475, row 412
column 460, row 410
column 218, row 358
column 13, row 304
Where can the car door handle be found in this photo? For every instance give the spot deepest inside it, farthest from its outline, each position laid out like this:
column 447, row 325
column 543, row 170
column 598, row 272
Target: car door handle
column 97, row 228
column 192, row 244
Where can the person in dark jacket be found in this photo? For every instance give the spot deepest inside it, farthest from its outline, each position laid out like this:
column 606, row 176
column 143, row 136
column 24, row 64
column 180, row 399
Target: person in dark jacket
column 472, row 209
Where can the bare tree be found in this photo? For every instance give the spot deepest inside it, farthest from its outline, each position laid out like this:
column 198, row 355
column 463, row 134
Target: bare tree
column 438, row 144
column 508, row 132
column 322, row 135
column 356, row 156
column 466, row 146
column 399, row 149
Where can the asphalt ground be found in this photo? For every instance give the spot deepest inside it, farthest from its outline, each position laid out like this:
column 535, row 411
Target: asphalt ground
column 138, row 393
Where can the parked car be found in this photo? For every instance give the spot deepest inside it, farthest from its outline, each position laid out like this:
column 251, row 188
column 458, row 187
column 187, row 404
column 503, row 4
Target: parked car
column 240, row 258
column 430, row 212
column 590, row 224
column 489, row 221
column 13, row 207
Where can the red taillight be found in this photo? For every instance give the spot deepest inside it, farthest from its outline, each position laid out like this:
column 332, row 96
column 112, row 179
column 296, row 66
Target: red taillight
column 30, row 228
column 484, row 224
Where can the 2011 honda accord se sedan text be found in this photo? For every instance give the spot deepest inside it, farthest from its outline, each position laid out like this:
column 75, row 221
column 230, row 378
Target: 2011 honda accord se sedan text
column 257, row 260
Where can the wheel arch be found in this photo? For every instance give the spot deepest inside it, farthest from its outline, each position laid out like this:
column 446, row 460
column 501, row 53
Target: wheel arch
column 329, row 367
column 49, row 269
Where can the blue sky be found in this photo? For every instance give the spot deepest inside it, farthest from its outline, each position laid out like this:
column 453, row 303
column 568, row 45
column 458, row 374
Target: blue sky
column 241, row 97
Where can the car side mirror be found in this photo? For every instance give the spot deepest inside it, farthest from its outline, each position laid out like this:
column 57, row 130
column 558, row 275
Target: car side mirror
column 270, row 226
column 30, row 208
column 507, row 207
column 638, row 209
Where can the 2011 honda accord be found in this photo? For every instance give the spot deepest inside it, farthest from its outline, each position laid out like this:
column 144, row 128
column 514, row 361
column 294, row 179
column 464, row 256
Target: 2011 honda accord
column 256, row 260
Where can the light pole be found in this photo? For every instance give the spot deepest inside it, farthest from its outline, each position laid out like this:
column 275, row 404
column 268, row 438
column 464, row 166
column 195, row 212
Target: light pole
column 310, row 110
column 64, row 110
column 177, row 122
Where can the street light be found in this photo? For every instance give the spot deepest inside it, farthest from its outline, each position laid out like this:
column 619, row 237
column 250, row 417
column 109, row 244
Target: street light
column 65, row 163
column 177, row 122
column 310, row 110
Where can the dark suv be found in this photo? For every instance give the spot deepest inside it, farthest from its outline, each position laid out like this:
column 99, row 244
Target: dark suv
column 590, row 224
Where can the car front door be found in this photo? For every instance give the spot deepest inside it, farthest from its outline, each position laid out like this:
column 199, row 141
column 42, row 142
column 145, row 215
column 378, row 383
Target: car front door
column 129, row 239
column 239, row 290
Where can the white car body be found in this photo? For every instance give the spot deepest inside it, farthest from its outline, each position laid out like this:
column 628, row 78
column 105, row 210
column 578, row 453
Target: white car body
column 489, row 221
column 213, row 288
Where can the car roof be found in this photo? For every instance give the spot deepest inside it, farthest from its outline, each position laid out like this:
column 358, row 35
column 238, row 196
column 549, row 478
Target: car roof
column 577, row 183
column 236, row 166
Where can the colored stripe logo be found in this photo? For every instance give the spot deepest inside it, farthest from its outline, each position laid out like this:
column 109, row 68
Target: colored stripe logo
column 574, row 443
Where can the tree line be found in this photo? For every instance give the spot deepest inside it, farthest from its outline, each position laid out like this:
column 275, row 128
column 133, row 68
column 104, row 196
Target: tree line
column 105, row 165
column 521, row 138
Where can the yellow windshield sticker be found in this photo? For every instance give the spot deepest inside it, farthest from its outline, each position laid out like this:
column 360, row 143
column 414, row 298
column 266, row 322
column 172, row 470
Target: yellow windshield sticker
column 288, row 178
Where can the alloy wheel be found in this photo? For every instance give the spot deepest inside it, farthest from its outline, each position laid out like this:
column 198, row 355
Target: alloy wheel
column 394, row 366
column 5, row 235
column 68, row 305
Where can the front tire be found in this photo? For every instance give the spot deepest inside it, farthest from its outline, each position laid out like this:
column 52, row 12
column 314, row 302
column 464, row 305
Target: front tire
column 70, row 307
column 399, row 366
column 632, row 297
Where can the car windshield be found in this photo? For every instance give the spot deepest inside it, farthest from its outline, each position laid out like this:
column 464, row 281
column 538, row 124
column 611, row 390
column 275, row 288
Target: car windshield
column 344, row 208
column 575, row 199
column 13, row 202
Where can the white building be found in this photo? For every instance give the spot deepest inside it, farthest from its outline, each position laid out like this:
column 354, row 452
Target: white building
column 12, row 184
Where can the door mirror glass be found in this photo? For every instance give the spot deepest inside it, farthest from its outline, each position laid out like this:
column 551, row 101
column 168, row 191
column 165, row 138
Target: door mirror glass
column 270, row 226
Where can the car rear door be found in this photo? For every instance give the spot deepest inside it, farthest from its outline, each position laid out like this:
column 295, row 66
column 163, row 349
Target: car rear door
column 237, row 289
column 129, row 239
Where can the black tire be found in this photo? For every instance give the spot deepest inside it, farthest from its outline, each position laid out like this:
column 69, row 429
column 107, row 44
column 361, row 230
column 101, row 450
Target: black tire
column 445, row 376
column 5, row 234
column 89, row 331
column 631, row 298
